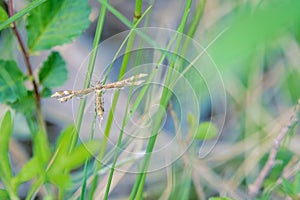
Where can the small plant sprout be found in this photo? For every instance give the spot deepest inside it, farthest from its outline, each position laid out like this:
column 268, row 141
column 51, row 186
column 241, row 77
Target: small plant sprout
column 65, row 95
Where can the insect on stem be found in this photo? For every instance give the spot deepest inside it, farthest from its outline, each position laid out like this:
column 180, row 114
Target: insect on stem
column 65, row 95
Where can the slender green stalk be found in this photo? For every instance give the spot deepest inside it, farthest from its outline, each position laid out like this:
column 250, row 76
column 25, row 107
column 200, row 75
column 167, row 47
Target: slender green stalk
column 114, row 104
column 83, row 189
column 117, row 150
column 21, row 13
column 139, row 54
column 115, row 98
column 165, row 54
column 119, row 15
column 137, row 18
column 127, row 23
column 89, row 73
column 192, row 29
column 186, row 178
column 34, row 188
column 137, row 190
column 133, row 28
column 138, row 10
column 86, row 165
column 180, row 30
column 146, row 87
column 196, row 18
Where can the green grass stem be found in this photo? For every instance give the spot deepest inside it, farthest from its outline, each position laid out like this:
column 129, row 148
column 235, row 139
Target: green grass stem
column 114, row 102
column 21, row 13
column 89, row 73
column 137, row 190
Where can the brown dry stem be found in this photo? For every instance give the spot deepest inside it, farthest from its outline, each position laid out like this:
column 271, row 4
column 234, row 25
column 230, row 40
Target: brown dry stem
column 256, row 185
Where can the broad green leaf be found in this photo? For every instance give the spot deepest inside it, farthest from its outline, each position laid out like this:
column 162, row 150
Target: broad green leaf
column 291, row 86
column 5, row 133
column 46, row 92
column 4, row 194
column 76, row 158
column 28, row 171
column 296, row 183
column 63, row 147
column 3, row 14
column 49, row 197
column 7, row 43
column 203, row 131
column 251, row 28
column 63, row 144
column 41, row 148
column 82, row 153
column 220, row 198
column 53, row 72
column 25, row 105
column 206, row 131
column 56, row 23
column 283, row 157
column 60, row 179
column 297, row 33
column 287, row 187
column 11, row 82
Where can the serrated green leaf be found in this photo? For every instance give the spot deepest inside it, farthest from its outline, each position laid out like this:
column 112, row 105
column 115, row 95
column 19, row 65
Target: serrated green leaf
column 206, row 131
column 28, row 171
column 4, row 195
column 7, row 45
column 21, row 13
column 5, row 133
column 53, row 72
column 11, row 82
column 46, row 92
column 25, row 105
column 56, row 22
column 3, row 14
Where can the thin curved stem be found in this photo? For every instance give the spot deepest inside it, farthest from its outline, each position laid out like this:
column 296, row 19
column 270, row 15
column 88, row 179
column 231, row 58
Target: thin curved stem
column 37, row 96
column 256, row 185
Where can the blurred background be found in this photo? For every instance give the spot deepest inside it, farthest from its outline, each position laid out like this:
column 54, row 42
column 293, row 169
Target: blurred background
column 253, row 47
